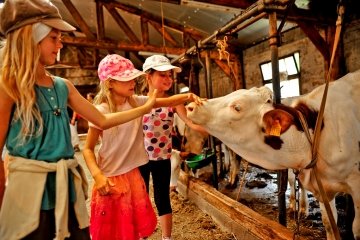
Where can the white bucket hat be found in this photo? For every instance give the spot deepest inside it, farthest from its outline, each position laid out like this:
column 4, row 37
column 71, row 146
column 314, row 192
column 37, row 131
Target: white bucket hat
column 159, row 63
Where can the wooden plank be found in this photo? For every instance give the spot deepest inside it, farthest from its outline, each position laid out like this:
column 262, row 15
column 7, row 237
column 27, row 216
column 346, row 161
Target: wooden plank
column 77, row 17
column 315, row 37
column 144, row 31
column 122, row 23
column 195, row 34
column 100, row 27
column 164, row 34
column 118, row 45
column 230, row 214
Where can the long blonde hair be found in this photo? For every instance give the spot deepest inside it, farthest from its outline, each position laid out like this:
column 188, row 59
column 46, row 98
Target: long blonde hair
column 105, row 96
column 18, row 76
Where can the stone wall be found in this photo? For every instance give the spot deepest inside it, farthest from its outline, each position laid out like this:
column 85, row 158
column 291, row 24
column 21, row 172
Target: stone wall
column 311, row 60
column 351, row 42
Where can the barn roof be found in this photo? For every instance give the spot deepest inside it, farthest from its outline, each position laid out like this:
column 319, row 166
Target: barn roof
column 137, row 28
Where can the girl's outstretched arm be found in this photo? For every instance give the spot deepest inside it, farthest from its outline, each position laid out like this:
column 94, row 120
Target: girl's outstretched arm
column 88, row 111
column 178, row 99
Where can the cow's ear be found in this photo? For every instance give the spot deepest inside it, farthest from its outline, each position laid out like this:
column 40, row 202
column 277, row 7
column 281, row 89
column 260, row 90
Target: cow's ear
column 277, row 121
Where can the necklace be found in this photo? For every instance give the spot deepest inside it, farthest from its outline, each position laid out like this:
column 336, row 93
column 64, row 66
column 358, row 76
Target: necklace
column 56, row 110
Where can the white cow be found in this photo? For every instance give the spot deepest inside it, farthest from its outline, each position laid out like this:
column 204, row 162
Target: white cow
column 243, row 121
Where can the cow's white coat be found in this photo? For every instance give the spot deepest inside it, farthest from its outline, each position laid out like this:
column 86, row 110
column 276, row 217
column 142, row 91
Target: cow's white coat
column 237, row 120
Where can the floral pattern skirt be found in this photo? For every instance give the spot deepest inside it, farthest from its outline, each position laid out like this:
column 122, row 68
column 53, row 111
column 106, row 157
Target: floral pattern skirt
column 124, row 214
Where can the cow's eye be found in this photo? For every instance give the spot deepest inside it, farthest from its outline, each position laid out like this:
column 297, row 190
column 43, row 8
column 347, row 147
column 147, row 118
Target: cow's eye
column 237, row 108
column 269, row 101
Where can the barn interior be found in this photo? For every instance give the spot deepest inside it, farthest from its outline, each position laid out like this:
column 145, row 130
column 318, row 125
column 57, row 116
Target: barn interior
column 221, row 45
column 232, row 40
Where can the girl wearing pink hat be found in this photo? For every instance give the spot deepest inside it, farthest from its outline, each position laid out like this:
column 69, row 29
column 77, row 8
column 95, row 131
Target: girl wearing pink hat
column 120, row 205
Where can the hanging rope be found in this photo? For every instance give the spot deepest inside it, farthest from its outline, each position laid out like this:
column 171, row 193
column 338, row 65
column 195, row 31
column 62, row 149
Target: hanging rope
column 223, row 53
column 163, row 26
column 222, row 45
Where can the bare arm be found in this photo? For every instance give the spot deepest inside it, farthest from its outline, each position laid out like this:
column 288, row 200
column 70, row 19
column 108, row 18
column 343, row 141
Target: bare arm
column 88, row 111
column 178, row 99
column 102, row 183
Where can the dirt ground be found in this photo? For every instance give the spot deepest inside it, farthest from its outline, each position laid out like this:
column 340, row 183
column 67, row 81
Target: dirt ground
column 190, row 223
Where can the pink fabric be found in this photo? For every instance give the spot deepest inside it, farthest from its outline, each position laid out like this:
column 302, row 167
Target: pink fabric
column 117, row 67
column 125, row 214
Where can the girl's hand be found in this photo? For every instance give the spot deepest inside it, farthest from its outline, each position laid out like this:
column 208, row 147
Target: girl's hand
column 151, row 101
column 194, row 98
column 102, row 184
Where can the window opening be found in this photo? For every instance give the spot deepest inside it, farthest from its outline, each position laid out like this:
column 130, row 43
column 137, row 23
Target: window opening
column 289, row 71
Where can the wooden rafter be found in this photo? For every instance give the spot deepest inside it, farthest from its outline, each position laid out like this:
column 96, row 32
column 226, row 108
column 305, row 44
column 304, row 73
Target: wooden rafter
column 243, row 4
column 117, row 45
column 233, row 72
column 315, row 37
column 165, row 34
column 100, row 27
column 144, row 31
column 122, row 23
column 195, row 34
column 78, row 18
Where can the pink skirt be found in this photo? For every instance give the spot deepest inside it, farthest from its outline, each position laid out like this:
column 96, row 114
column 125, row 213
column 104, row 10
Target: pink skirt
column 126, row 213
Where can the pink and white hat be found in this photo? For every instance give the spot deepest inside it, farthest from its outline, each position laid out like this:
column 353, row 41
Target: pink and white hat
column 118, row 68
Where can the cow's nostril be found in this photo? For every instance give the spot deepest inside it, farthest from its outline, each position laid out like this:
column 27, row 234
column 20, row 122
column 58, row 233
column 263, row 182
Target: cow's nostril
column 190, row 109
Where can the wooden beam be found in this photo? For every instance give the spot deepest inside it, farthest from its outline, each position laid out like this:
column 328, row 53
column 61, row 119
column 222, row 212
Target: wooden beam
column 122, row 23
column 164, row 34
column 315, row 38
column 233, row 72
column 238, row 219
column 144, row 30
column 241, row 4
column 79, row 20
column 100, row 27
column 195, row 34
column 118, row 45
column 186, row 40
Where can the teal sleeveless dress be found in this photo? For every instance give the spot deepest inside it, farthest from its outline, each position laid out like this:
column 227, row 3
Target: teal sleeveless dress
column 54, row 143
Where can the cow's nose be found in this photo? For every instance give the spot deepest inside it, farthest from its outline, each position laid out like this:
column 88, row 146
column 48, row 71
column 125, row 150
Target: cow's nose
column 190, row 107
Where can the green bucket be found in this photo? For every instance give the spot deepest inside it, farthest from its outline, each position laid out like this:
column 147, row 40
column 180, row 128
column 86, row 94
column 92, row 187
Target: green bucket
column 201, row 160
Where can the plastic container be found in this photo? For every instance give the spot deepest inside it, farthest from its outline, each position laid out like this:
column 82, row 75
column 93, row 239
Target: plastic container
column 201, row 160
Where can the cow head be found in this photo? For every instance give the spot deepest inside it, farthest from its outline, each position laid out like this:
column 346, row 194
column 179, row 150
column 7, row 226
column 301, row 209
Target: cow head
column 248, row 122
column 240, row 111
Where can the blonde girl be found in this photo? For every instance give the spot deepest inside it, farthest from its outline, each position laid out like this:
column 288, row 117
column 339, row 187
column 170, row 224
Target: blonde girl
column 45, row 193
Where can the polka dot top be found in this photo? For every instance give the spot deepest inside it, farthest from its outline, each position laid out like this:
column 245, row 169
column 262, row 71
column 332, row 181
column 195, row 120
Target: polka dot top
column 157, row 127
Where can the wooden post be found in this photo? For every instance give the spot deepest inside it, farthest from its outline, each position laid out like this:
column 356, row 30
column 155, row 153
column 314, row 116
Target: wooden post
column 210, row 95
